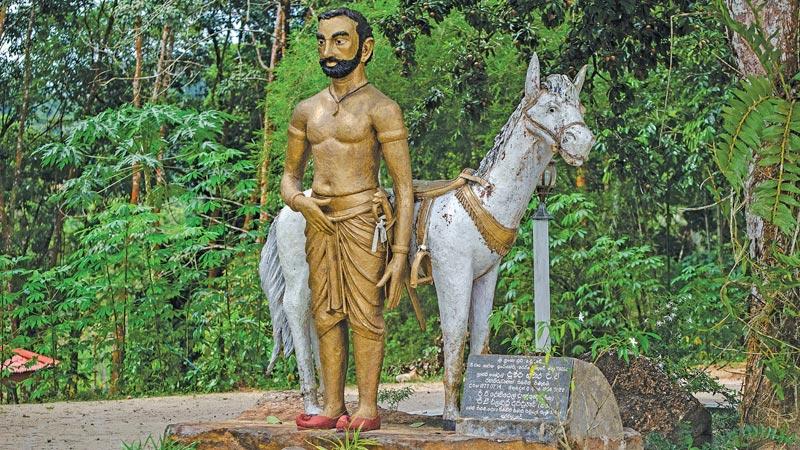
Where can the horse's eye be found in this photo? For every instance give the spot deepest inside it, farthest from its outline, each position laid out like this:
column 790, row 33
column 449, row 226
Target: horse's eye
column 551, row 110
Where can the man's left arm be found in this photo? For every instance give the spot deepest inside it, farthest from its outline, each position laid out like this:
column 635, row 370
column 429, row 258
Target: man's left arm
column 393, row 137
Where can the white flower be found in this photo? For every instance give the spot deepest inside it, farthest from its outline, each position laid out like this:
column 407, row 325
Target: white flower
column 580, row 317
column 633, row 341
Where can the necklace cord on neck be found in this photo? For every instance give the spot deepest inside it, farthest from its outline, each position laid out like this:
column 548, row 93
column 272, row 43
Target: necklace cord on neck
column 340, row 100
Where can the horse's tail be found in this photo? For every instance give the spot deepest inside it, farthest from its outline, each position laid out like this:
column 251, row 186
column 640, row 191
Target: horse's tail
column 274, row 286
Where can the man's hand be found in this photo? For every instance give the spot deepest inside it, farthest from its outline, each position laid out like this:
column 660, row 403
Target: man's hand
column 310, row 208
column 396, row 272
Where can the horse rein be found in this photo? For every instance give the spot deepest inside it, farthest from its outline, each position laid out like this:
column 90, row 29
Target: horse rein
column 556, row 136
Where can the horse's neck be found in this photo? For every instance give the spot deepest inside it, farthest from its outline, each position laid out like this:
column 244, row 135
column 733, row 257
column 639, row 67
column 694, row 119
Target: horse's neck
column 513, row 178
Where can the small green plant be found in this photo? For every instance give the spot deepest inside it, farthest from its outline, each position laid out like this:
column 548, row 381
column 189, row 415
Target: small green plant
column 163, row 443
column 756, row 436
column 393, row 397
column 682, row 439
column 352, row 441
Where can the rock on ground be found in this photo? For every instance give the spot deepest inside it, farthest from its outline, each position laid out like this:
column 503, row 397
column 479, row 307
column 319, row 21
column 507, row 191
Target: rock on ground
column 649, row 401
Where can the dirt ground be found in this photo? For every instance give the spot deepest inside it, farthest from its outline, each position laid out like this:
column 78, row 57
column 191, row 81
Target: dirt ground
column 107, row 424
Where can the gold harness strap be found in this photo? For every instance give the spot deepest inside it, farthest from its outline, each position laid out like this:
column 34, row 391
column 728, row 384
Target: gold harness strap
column 422, row 260
column 498, row 237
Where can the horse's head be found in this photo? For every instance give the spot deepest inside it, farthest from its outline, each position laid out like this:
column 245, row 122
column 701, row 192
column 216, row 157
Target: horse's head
column 552, row 110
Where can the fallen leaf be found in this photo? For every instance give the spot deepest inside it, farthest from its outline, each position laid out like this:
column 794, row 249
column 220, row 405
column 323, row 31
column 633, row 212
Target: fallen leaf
column 272, row 420
column 417, row 424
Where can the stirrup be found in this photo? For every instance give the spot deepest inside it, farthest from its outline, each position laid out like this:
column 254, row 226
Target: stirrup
column 422, row 260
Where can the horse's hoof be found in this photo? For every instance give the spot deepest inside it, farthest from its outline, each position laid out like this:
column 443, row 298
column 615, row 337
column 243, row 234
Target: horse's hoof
column 313, row 410
column 448, row 425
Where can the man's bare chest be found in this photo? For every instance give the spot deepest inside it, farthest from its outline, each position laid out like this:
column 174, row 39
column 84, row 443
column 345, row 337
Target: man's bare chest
column 351, row 124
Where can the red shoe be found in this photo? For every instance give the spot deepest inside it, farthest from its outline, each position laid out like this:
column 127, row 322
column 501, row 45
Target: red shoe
column 358, row 423
column 316, row 422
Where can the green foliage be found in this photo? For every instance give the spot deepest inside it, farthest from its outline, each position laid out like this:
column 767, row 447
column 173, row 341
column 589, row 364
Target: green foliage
column 684, row 440
column 777, row 198
column 756, row 436
column 393, row 397
column 760, row 157
column 728, row 434
column 744, row 121
column 352, row 440
column 163, row 443
column 409, row 348
column 760, row 124
column 724, row 427
column 272, row 420
column 169, row 271
column 607, row 295
column 703, row 321
column 620, row 39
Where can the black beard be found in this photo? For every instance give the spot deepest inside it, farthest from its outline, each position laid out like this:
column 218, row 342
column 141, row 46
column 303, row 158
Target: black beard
column 342, row 68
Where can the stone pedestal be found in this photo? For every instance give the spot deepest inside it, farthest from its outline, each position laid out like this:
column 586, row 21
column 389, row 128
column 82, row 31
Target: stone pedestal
column 550, row 402
column 400, row 431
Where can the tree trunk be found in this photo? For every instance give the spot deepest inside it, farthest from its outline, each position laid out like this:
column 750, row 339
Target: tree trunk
column 137, row 102
column 768, row 319
column 278, row 47
column 11, row 207
column 3, row 217
column 160, row 74
column 118, row 352
column 3, row 11
column 8, row 208
column 160, row 86
column 97, row 61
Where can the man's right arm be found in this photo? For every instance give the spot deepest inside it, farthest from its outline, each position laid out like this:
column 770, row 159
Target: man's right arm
column 297, row 153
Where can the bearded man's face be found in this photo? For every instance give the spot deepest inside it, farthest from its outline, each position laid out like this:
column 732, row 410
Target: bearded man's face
column 339, row 46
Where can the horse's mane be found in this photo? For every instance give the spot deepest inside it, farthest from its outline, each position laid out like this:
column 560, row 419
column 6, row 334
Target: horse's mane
column 500, row 141
column 556, row 84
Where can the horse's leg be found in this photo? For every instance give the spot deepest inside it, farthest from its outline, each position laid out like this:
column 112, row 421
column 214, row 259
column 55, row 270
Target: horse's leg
column 298, row 313
column 297, row 304
column 317, row 363
column 482, row 300
column 453, row 288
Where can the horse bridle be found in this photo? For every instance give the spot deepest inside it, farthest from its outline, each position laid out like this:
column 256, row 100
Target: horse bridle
column 556, row 136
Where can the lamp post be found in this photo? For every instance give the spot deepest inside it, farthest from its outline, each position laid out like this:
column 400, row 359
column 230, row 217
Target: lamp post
column 541, row 260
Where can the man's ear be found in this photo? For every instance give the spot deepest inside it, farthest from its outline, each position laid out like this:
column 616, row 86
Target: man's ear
column 366, row 49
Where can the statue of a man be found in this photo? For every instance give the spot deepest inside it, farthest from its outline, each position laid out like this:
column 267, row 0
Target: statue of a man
column 346, row 128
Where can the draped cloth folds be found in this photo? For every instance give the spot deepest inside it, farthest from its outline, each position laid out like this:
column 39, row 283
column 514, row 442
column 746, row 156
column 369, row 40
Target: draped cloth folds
column 343, row 272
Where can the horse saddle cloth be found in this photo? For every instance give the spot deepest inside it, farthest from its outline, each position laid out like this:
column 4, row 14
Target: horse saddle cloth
column 498, row 237
column 434, row 188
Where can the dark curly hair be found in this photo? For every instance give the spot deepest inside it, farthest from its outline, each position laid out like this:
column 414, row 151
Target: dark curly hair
column 362, row 26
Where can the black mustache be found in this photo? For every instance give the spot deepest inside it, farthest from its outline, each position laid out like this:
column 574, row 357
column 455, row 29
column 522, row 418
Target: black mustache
column 331, row 59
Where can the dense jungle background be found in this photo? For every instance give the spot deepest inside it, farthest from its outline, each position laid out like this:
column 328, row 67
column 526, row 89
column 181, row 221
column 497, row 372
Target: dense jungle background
column 142, row 143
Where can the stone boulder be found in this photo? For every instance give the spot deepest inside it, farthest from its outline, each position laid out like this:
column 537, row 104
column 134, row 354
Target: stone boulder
column 649, row 401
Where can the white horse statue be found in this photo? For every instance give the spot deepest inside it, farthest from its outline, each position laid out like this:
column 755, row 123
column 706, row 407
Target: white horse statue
column 548, row 120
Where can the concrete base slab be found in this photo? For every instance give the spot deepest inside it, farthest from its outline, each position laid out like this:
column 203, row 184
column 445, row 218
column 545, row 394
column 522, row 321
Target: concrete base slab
column 533, row 431
column 259, row 436
column 400, row 431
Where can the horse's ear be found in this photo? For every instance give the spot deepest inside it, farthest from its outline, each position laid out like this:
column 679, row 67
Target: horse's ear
column 532, row 78
column 580, row 78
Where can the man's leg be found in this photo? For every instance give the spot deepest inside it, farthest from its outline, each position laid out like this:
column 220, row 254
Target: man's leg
column 333, row 357
column 369, row 359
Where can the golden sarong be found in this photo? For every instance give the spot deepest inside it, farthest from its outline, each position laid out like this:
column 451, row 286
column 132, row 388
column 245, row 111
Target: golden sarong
column 343, row 270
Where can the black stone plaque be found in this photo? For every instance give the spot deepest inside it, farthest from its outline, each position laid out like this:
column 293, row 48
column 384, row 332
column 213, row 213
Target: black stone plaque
column 516, row 388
